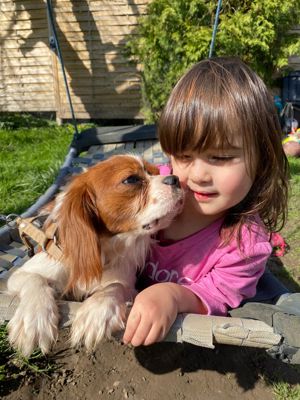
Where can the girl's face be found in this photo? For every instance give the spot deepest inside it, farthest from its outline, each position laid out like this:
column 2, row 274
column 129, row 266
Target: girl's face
column 215, row 180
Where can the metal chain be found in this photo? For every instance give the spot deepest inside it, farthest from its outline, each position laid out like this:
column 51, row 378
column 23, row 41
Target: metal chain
column 215, row 28
column 10, row 220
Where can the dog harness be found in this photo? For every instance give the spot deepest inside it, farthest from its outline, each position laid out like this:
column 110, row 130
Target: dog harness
column 32, row 234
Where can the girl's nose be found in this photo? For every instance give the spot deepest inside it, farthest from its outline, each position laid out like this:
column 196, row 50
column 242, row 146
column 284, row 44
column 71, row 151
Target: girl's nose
column 199, row 171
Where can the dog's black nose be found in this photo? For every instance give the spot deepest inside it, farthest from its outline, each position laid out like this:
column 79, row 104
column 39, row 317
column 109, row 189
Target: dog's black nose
column 171, row 180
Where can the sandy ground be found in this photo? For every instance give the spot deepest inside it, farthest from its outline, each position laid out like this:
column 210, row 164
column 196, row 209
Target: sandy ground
column 162, row 371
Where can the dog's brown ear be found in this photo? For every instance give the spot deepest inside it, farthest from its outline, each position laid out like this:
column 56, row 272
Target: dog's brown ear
column 79, row 231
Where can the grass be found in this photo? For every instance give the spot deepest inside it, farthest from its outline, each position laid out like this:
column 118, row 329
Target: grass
column 284, row 391
column 31, row 152
column 14, row 367
column 30, row 155
column 291, row 231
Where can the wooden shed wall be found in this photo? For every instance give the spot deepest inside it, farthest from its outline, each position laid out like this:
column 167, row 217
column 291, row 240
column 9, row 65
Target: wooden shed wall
column 92, row 35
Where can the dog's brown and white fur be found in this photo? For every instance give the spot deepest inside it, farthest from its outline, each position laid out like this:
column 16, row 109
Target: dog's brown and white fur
column 105, row 220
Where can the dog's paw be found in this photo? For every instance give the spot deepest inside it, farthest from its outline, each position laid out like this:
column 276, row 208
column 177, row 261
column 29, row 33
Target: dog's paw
column 34, row 325
column 98, row 317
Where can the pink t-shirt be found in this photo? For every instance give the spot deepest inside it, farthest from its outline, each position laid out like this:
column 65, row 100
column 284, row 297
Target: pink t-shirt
column 221, row 276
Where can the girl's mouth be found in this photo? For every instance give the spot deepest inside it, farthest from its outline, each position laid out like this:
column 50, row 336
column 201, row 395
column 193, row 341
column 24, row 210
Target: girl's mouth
column 204, row 196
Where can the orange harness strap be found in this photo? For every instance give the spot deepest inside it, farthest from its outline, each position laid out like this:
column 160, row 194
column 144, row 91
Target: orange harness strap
column 30, row 232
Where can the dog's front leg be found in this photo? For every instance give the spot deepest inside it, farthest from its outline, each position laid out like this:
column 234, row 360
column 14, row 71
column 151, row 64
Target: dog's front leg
column 101, row 314
column 35, row 322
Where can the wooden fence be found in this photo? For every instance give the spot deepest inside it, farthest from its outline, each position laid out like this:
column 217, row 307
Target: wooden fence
column 92, row 34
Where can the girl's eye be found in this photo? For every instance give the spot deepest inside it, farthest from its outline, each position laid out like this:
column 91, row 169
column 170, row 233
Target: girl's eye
column 132, row 180
column 184, row 157
column 221, row 158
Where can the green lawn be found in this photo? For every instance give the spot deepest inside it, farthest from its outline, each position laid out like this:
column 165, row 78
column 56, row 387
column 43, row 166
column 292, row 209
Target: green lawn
column 291, row 231
column 29, row 160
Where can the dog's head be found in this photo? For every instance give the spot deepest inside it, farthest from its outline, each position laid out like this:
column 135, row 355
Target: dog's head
column 123, row 195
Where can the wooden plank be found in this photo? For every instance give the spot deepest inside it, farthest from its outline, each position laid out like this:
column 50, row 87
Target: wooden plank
column 99, row 63
column 104, row 91
column 24, row 43
column 105, row 39
column 41, row 73
column 60, row 6
column 90, row 45
column 66, row 26
column 34, row 107
column 42, row 34
column 104, row 88
column 109, row 71
column 106, row 3
column 22, row 36
column 76, row 60
column 77, row 45
column 295, row 29
column 10, row 5
column 31, row 52
column 95, row 18
column 295, row 59
column 106, row 18
column 96, row 108
column 24, row 15
column 31, row 98
column 89, row 81
column 34, row 88
column 7, row 26
column 98, row 11
column 70, row 54
column 85, row 86
column 31, row 104
column 28, row 61
column 86, row 27
column 101, row 115
column 93, row 107
column 28, row 79
column 102, row 102
column 83, row 69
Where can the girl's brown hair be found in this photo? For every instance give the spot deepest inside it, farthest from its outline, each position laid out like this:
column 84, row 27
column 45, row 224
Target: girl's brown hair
column 213, row 102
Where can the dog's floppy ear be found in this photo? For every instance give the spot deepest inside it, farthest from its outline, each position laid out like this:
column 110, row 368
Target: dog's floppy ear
column 79, row 231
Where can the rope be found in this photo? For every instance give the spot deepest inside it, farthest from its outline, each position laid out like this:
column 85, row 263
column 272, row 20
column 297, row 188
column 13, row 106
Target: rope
column 212, row 43
column 54, row 45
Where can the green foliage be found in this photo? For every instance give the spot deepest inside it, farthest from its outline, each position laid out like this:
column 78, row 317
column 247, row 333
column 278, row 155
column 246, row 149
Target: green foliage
column 177, row 33
column 259, row 32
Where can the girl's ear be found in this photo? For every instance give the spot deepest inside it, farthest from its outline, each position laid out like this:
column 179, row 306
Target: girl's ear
column 79, row 231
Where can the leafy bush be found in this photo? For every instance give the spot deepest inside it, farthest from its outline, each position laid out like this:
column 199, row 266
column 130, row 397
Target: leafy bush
column 177, row 33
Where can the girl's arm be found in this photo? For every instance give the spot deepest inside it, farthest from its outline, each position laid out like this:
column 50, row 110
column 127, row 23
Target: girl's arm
column 155, row 310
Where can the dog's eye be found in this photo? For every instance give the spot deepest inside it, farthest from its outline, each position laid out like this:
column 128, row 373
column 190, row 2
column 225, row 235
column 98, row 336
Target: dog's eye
column 132, row 180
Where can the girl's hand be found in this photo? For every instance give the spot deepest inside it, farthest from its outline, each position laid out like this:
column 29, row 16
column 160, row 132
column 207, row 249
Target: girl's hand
column 155, row 310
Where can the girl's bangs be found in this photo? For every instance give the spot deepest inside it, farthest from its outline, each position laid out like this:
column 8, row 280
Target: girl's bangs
column 214, row 128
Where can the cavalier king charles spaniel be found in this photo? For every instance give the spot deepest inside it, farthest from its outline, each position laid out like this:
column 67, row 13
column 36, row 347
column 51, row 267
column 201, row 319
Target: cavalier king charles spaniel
column 105, row 222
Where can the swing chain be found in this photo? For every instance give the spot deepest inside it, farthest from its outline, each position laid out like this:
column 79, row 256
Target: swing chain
column 10, row 220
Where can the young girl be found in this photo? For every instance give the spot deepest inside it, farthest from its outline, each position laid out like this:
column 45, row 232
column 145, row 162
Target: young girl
column 221, row 131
